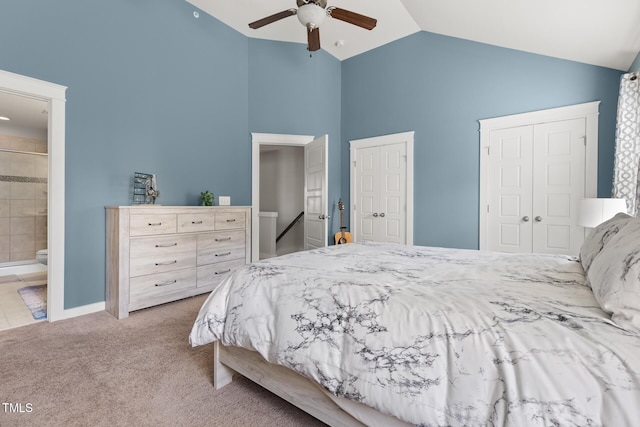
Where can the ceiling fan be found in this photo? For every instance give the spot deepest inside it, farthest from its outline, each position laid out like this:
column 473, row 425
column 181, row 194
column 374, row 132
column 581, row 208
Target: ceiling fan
column 311, row 14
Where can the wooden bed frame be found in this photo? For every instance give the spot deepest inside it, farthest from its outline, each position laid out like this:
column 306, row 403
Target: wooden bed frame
column 283, row 382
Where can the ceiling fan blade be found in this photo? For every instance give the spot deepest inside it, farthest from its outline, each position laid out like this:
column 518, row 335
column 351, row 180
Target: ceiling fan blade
column 352, row 18
column 313, row 39
column 273, row 18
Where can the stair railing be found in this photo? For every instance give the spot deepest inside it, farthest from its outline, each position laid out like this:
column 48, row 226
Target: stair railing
column 290, row 226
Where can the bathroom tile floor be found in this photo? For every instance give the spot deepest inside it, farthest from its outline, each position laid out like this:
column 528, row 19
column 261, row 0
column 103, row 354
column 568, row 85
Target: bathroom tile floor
column 13, row 310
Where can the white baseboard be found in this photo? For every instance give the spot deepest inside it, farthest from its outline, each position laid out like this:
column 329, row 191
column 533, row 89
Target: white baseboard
column 82, row 310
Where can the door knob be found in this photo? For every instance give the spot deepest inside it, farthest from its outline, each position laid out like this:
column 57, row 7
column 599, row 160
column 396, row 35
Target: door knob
column 538, row 218
column 525, row 218
column 322, row 216
column 375, row 214
column 382, row 214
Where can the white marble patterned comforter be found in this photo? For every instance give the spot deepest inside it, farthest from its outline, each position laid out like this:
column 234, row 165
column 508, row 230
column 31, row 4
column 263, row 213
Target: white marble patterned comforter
column 436, row 336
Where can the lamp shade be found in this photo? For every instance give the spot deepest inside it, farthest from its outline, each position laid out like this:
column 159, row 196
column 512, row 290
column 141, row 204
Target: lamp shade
column 594, row 212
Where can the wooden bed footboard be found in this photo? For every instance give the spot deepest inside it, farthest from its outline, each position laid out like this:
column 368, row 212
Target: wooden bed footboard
column 283, row 382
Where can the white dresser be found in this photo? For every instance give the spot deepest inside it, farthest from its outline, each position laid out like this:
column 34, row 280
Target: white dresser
column 158, row 254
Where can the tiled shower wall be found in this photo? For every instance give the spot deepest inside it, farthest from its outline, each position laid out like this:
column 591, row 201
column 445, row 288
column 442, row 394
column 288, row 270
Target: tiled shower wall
column 23, row 198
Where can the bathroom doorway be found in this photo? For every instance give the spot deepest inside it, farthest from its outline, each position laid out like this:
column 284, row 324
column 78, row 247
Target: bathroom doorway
column 53, row 97
column 24, row 171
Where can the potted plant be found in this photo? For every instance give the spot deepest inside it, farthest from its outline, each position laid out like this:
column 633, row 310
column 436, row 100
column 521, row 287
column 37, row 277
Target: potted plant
column 206, row 198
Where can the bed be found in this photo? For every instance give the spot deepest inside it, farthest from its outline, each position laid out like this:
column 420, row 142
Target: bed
column 386, row 334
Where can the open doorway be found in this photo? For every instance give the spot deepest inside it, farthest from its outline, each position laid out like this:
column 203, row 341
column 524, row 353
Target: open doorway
column 289, row 194
column 23, row 210
column 281, row 208
column 52, row 97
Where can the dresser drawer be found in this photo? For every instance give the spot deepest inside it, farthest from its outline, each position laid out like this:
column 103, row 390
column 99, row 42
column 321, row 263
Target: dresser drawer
column 146, row 291
column 210, row 244
column 161, row 263
column 229, row 220
column 212, row 274
column 162, row 246
column 146, row 225
column 195, row 222
column 210, row 251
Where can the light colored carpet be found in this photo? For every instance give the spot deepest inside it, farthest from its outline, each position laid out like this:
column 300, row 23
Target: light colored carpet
column 96, row 370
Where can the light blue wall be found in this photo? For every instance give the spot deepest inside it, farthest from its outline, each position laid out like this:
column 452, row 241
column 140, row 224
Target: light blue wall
column 440, row 87
column 293, row 92
column 151, row 89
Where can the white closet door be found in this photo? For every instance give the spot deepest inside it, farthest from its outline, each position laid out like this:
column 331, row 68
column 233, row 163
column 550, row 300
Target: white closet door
column 382, row 188
column 367, row 188
column 558, row 186
column 511, row 178
column 563, row 170
column 392, row 194
column 536, row 180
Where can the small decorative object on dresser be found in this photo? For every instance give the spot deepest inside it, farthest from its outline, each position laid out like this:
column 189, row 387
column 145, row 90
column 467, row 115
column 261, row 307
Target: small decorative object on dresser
column 158, row 254
column 145, row 188
column 206, row 198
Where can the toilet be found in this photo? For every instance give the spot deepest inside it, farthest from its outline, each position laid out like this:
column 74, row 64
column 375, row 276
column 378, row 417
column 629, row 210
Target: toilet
column 41, row 256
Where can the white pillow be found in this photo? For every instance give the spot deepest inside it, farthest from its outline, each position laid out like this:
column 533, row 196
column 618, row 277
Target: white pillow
column 614, row 275
column 598, row 238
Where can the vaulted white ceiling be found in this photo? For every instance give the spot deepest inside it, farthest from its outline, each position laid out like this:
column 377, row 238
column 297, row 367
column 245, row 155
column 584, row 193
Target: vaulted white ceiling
column 598, row 32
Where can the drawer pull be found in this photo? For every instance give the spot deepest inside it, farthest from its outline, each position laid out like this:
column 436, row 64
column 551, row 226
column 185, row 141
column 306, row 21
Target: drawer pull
column 170, row 282
column 231, row 220
column 167, row 262
column 196, row 222
column 154, row 224
column 222, row 240
column 222, row 272
column 167, row 246
column 224, row 254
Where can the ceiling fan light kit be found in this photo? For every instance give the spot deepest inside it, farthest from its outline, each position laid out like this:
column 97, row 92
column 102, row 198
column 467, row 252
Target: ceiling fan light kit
column 312, row 13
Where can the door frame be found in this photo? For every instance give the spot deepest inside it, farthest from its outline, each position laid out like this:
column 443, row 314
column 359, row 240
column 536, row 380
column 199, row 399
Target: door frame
column 54, row 95
column 589, row 111
column 258, row 139
column 376, row 141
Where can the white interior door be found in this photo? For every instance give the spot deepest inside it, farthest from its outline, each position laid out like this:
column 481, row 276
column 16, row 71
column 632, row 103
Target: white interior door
column 393, row 193
column 536, row 181
column 382, row 189
column 558, row 186
column 367, row 184
column 315, row 193
column 511, row 184
column 564, row 169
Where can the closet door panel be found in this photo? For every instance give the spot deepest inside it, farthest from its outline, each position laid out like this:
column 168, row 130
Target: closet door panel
column 559, row 185
column 367, row 184
column 511, row 186
column 392, row 194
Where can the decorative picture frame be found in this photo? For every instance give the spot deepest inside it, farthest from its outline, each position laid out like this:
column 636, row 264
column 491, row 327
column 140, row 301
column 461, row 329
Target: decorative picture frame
column 145, row 190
